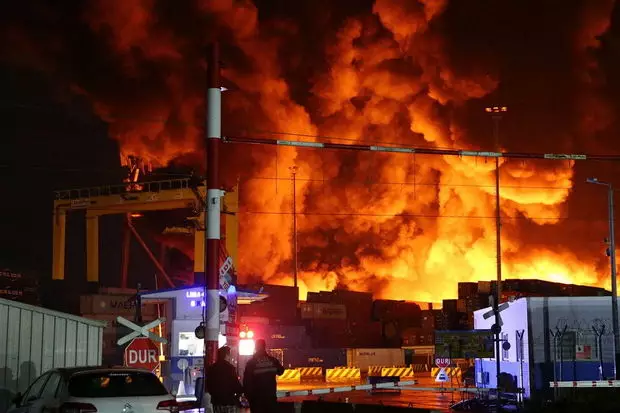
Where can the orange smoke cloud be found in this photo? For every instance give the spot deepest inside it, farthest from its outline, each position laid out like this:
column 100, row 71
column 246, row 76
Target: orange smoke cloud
column 401, row 226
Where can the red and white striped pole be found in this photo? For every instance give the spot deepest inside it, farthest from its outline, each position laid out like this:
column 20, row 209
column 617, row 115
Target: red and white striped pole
column 212, row 232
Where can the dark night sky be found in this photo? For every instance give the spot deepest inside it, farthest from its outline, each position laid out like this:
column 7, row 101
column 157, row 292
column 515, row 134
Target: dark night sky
column 51, row 138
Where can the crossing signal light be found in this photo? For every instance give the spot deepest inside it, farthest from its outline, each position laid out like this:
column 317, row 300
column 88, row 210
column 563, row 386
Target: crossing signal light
column 246, row 334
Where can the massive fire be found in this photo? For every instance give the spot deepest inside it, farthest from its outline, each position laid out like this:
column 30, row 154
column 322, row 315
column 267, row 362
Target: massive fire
column 402, row 226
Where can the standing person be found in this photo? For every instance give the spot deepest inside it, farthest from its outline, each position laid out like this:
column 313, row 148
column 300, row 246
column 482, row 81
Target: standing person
column 223, row 384
column 259, row 380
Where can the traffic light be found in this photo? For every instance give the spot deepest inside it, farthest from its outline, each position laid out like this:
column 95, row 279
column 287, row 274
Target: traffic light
column 246, row 334
column 246, row 342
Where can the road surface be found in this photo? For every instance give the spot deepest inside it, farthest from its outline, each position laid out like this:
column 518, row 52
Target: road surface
column 413, row 398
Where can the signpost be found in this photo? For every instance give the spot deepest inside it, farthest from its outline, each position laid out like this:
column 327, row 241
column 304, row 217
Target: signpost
column 443, row 362
column 142, row 353
column 140, row 331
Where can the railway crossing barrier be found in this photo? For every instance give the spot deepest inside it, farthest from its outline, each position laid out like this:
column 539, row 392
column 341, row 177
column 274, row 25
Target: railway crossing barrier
column 455, row 372
column 290, row 376
column 603, row 384
column 343, row 389
column 409, row 385
column 342, row 374
column 314, row 373
column 397, row 372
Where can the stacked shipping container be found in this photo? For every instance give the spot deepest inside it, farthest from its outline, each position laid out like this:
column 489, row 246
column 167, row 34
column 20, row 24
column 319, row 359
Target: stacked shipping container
column 280, row 307
column 395, row 317
column 19, row 286
column 344, row 322
column 106, row 307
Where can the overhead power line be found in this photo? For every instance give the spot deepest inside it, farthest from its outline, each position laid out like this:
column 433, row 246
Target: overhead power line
column 422, row 151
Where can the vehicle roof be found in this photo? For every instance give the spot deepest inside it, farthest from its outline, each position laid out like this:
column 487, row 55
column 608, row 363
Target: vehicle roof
column 70, row 371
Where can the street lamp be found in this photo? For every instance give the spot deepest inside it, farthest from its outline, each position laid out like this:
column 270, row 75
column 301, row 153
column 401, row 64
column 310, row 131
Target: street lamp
column 611, row 252
column 293, row 170
column 496, row 113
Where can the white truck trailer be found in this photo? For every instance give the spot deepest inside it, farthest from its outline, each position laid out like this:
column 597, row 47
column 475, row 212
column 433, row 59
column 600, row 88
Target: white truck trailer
column 35, row 339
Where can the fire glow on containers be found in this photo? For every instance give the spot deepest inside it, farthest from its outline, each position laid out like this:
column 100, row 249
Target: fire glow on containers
column 401, row 226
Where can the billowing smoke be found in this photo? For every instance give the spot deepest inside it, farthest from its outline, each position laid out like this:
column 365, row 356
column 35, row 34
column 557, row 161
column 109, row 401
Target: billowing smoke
column 393, row 72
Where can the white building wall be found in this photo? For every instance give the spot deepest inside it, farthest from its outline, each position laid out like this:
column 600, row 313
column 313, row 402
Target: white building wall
column 579, row 315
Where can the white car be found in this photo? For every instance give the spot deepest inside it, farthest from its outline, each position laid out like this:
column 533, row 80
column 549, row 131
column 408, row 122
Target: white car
column 96, row 390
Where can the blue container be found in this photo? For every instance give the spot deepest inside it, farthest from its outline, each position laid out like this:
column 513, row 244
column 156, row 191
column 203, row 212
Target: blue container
column 281, row 337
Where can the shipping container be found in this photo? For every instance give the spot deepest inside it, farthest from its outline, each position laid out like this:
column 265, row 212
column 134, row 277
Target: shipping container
column 117, row 291
column 327, row 358
column 321, row 311
column 362, row 358
column 484, row 287
column 279, row 337
column 110, row 319
column 418, row 337
column 428, row 319
column 276, row 311
column 358, row 304
column 367, row 334
column 18, row 279
column 253, row 320
column 450, row 306
column 467, row 289
column 329, row 333
column 34, row 340
column 27, row 295
column 392, row 310
column 122, row 305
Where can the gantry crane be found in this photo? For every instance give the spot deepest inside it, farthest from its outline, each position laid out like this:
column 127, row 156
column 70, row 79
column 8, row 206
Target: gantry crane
column 134, row 198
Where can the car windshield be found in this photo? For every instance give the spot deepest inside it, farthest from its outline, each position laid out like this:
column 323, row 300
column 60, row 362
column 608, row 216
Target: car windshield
column 115, row 384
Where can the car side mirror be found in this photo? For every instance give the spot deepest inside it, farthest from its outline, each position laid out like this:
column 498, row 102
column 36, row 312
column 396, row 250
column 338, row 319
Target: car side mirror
column 17, row 399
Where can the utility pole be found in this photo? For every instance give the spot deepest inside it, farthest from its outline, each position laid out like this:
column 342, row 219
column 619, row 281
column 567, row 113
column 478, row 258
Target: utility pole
column 496, row 114
column 293, row 170
column 611, row 252
column 213, row 208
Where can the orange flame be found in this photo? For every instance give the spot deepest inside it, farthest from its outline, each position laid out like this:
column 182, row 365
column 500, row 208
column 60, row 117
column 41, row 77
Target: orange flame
column 398, row 225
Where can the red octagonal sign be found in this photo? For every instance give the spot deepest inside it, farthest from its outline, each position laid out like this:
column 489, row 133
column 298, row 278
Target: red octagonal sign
column 142, row 353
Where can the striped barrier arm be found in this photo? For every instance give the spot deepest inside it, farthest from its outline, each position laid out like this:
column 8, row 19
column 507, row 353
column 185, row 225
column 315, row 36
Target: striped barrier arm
column 605, row 384
column 375, row 370
column 342, row 374
column 313, row 392
column 311, row 372
column 397, row 372
column 290, row 376
column 403, row 385
column 450, row 371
